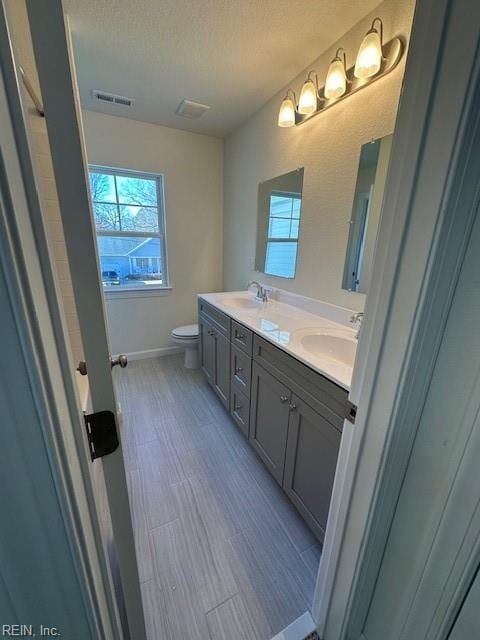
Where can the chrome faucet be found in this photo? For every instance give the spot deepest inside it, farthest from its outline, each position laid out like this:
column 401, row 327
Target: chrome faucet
column 357, row 319
column 262, row 293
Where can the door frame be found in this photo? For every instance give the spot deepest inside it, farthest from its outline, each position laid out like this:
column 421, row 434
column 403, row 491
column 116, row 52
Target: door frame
column 420, row 246
column 51, row 39
column 34, row 296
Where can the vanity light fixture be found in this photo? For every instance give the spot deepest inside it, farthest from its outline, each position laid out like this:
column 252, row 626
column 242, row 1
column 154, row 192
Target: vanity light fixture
column 308, row 102
column 286, row 115
column 336, row 82
column 374, row 60
column 369, row 57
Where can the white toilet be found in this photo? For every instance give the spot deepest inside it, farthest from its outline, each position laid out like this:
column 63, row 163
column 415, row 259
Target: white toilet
column 187, row 337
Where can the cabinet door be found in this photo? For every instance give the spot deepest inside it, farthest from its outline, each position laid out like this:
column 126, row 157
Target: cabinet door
column 205, row 330
column 311, row 460
column 240, row 407
column 221, row 368
column 269, row 420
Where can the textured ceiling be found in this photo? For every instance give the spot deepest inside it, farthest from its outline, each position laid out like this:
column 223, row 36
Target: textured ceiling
column 230, row 54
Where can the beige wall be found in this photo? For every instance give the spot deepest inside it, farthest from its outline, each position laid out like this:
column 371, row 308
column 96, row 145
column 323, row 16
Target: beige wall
column 38, row 137
column 329, row 148
column 193, row 168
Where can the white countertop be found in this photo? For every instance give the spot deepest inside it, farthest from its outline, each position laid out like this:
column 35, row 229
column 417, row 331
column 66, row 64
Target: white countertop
column 284, row 325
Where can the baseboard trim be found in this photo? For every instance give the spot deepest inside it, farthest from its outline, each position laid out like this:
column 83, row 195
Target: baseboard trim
column 154, row 353
column 299, row 629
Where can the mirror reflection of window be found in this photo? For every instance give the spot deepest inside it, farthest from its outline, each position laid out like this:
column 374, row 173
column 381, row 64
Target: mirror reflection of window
column 278, row 224
column 282, row 241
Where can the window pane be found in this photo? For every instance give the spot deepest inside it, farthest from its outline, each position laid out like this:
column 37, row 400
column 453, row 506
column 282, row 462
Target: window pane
column 138, row 218
column 294, row 229
column 106, row 216
column 102, row 187
column 279, row 228
column 280, row 206
column 130, row 261
column 297, row 205
column 137, row 191
column 281, row 259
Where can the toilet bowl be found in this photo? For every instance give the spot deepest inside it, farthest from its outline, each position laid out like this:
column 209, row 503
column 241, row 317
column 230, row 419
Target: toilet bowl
column 187, row 337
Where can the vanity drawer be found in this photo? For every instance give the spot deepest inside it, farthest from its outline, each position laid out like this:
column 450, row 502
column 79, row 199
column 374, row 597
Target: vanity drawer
column 242, row 337
column 321, row 394
column 241, row 369
column 240, row 407
column 219, row 320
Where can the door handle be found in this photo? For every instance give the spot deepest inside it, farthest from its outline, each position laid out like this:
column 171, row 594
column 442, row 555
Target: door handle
column 82, row 368
column 120, row 361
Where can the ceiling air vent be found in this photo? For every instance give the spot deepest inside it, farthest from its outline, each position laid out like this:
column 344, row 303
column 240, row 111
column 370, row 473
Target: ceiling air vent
column 112, row 98
column 191, row 109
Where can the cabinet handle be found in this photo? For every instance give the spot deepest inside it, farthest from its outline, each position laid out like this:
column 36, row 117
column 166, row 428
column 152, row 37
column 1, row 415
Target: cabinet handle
column 211, row 333
column 283, row 398
column 239, row 336
column 292, row 406
column 238, row 369
column 237, row 407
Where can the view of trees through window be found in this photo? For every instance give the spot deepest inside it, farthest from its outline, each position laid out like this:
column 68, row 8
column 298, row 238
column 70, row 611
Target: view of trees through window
column 129, row 219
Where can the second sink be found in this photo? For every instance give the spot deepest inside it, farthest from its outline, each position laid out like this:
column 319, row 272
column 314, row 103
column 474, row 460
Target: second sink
column 239, row 302
column 335, row 347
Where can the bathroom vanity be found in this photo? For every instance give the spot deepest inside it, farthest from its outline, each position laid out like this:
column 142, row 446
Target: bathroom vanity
column 283, row 373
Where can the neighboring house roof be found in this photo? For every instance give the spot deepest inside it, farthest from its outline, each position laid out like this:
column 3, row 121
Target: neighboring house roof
column 115, row 246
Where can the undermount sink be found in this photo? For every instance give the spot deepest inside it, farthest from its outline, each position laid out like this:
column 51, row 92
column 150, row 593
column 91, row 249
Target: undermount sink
column 238, row 302
column 335, row 347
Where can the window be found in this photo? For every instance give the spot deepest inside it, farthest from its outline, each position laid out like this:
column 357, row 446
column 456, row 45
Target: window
column 282, row 241
column 128, row 209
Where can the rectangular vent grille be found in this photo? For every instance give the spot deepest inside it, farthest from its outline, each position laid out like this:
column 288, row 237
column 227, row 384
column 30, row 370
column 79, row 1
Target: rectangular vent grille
column 112, row 98
column 191, row 109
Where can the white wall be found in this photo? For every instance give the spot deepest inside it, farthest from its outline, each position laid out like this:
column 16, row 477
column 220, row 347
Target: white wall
column 329, row 149
column 193, row 168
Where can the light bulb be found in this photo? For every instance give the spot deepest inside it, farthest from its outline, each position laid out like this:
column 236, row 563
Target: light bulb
column 336, row 82
column 286, row 115
column 307, row 103
column 369, row 56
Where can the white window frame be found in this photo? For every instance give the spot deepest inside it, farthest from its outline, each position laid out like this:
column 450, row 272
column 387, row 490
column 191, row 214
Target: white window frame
column 123, row 290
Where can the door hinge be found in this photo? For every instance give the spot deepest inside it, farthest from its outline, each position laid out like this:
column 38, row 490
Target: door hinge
column 351, row 412
column 101, row 433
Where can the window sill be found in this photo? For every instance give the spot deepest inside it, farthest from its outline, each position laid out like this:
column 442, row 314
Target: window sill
column 137, row 292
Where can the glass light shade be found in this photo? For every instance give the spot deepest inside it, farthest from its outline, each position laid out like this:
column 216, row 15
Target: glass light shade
column 369, row 56
column 307, row 103
column 336, row 82
column 286, row 115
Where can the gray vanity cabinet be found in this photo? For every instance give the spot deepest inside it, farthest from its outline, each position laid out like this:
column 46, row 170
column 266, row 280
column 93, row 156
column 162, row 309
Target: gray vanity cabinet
column 310, row 462
column 292, row 415
column 221, row 367
column 269, row 415
column 214, row 332
column 206, row 347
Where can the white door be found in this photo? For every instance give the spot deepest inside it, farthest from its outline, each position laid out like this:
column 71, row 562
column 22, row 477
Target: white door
column 51, row 42
column 467, row 624
column 435, row 535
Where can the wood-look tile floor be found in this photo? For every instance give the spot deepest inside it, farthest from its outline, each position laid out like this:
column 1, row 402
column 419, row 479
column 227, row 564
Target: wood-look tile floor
column 223, row 555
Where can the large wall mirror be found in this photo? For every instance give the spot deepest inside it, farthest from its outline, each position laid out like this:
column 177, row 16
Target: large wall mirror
column 278, row 224
column 365, row 217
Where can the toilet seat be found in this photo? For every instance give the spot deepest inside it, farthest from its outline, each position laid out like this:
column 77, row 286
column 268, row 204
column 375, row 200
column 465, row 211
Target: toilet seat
column 187, row 332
